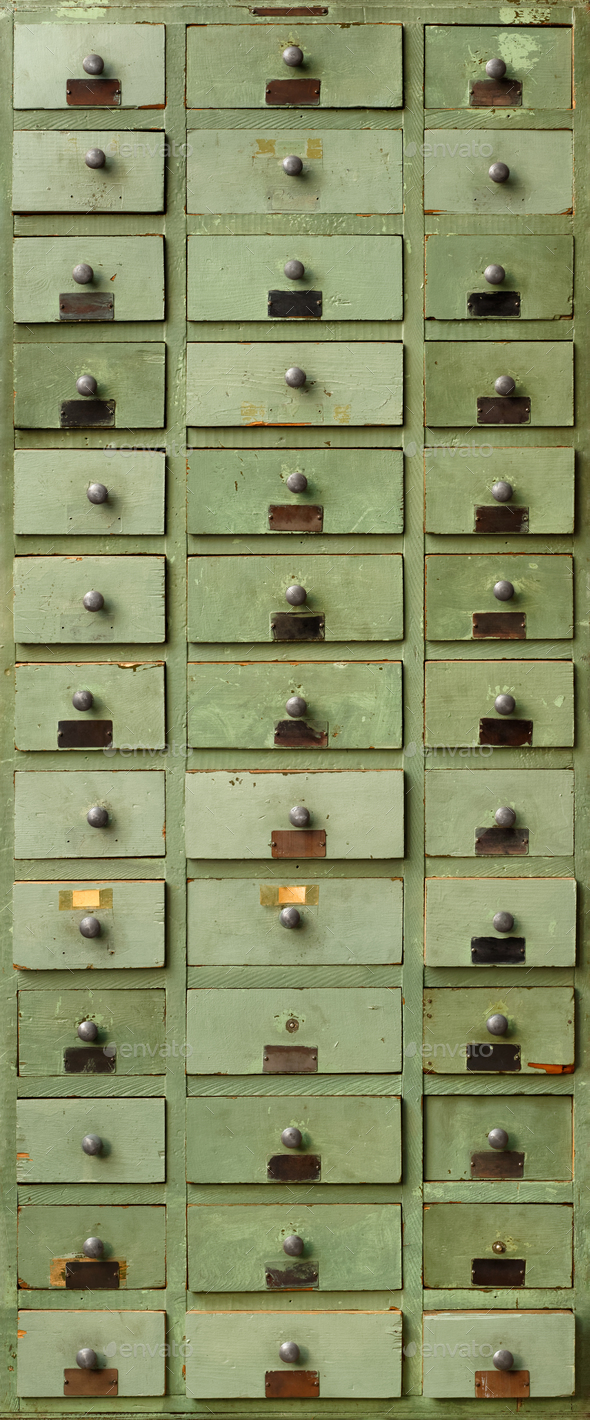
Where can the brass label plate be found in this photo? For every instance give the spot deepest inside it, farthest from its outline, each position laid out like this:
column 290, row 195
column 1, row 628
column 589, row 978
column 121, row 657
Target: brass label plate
column 504, row 409
column 498, row 1057
column 304, row 93
column 505, row 732
column 496, row 1385
column 496, row 842
column 293, row 517
column 93, row 93
column 500, row 1164
column 496, row 93
column 86, row 1274
column 78, row 1382
column 294, row 1168
column 496, row 951
column 288, row 1385
column 500, row 518
column 87, row 414
column 289, row 1060
column 86, row 305
column 293, row 1277
column 298, row 843
column 84, row 734
column 498, row 626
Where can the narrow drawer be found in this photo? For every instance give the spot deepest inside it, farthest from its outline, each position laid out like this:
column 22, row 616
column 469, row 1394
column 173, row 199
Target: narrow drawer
column 326, row 1032
column 499, row 597
column 457, row 164
column 133, row 1247
column 244, row 278
column 49, row 1341
column 468, row 703
column 461, row 813
column 50, row 173
column 538, row 66
column 49, row 600
column 45, row 289
column 126, row 707
column 245, row 385
column 535, row 1131
column 129, row 386
column 47, row 57
column 461, row 384
column 538, row 496
column 344, row 170
column 503, row 1245
column 126, row 927
column 538, row 282
column 533, row 1031
column 342, row 66
column 50, row 1134
column 51, row 489
column 91, row 1032
column 461, row 915
column 542, row 1343
column 51, row 814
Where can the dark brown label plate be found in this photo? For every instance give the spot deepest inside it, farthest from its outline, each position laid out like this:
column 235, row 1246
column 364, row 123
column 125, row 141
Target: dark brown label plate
column 496, row 842
column 492, row 1164
column 497, row 1385
column 290, row 1385
column 496, row 951
column 290, row 517
column 89, row 1060
column 295, row 305
column 505, row 732
column 493, row 305
column 501, row 518
column 294, row 1276
column 78, row 1382
column 287, row 627
column 86, row 305
column 496, row 93
column 498, row 1057
column 84, row 734
column 85, row 1274
column 503, row 409
column 87, row 414
column 298, row 843
column 295, row 734
column 290, row 1060
column 294, row 1168
column 303, row 92
column 498, row 1271
column 498, row 626
column 93, row 93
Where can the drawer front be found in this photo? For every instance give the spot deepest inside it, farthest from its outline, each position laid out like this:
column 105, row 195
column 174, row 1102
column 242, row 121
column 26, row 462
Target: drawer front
column 345, row 1248
column 237, row 66
column 127, row 709
column 459, row 497
column 51, row 815
column 328, row 1032
column 245, row 384
column 352, row 814
column 461, row 809
column 540, row 1029
column 350, row 705
column 538, row 1129
column 46, row 56
column 461, row 604
column 330, row 1346
column 128, row 1037
column 50, row 1134
column 243, row 278
column 539, row 270
column 461, row 700
column 50, row 174
column 130, row 382
column 49, row 600
column 44, row 288
column 460, row 931
column 498, row 1244
column 134, row 1245
column 51, row 491
column 461, row 376
column 541, row 1342
column 239, row 1140
column 48, row 1342
column 348, row 490
column 456, row 171
column 538, row 66
column 340, row 921
column 47, row 918
column 350, row 597
column 344, row 170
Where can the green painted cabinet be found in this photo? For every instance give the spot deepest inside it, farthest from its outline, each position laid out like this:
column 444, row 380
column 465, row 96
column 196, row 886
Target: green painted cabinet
column 245, row 384
column 457, row 163
column 50, row 1134
column 243, row 278
column 499, row 597
column 49, row 1341
column 347, row 598
column 49, row 597
column 461, row 809
column 461, row 703
column 328, row 1032
column 126, row 710
column 344, row 170
column 50, row 174
column 538, row 1036
column 459, row 482
column 538, row 282
column 52, row 1235
column 457, row 1345
column 130, row 1032
column 51, row 814
column 47, row 55
column 47, row 916
column 459, row 927
column 234, row 66
column 51, row 491
column 45, row 290
column 538, row 1130
column 520, row 1244
column 461, row 378
column 129, row 382
column 539, row 59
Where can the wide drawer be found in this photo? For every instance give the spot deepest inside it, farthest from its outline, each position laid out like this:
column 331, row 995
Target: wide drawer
column 49, row 172
column 49, row 1340
column 458, row 1349
column 460, row 930
column 457, row 163
column 344, row 170
column 47, row 56
column 498, row 1245
column 51, row 808
column 538, row 282
column 129, row 1036
column 459, row 495
column 537, row 1129
column 461, row 812
column 462, row 696
column 345, row 598
column 461, row 378
column 50, row 1134
column 49, row 600
column 243, row 278
column 129, row 386
column 245, row 384
column 51, row 491
column 44, row 289
column 271, row 1032
column 343, row 66
column 535, row 600
column 133, row 1255
column 538, row 66
column 538, row 1037
column 46, row 920
column 126, row 710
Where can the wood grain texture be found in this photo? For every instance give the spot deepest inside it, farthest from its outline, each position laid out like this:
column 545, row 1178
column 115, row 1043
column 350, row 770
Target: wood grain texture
column 229, row 65
column 51, row 809
column 544, row 914
column 457, row 1126
column 456, row 587
column 49, row 599
column 136, row 1237
column 131, row 374
column 540, row 270
column 46, row 925
column 45, row 56
column 459, row 373
column 48, row 1342
column 540, row 1020
column 540, row 1234
column 456, row 172
column 241, row 171
column 131, row 1029
column 49, row 1135
column 542, row 479
column 50, row 488
column 49, row 173
column 130, row 269
column 245, row 384
column 458, row 803
column 541, row 1342
column 130, row 695
column 229, row 278
column 457, row 55
column 360, row 597
column 459, row 693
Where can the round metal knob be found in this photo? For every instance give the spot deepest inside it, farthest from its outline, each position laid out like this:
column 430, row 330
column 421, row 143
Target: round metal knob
column 300, row 817
column 97, row 493
column 502, row 492
column 289, row 1351
column 505, row 817
column 498, row 1247
column 495, row 68
column 293, row 1245
column 92, row 1143
column 294, row 270
column 289, row 917
column 295, row 706
column 503, row 1360
column 86, row 384
column 503, row 922
column 93, row 64
column 82, row 273
column 497, row 1138
column 292, row 165
column 499, row 172
column 497, row 1024
column 504, row 384
column 295, row 378
column 95, row 158
column 494, row 275
column 503, row 591
column 297, row 482
column 82, row 700
column 291, row 1137
column 504, row 704
column 87, row 1030
column 93, row 1247
column 295, row 595
column 93, row 601
column 293, row 56
column 90, row 927
column 97, row 817
column 86, row 1358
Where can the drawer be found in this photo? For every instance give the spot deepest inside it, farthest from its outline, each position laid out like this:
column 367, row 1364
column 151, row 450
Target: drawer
column 537, row 285
column 344, row 170
column 461, row 813
column 47, row 56
column 345, row 490
column 239, row 66
column 50, row 1134
column 457, row 165
column 45, row 290
column 49, row 1341
column 49, row 600
column 540, row 1027
column 459, row 496
column 326, row 1032
column 461, row 379
column 345, row 598
column 458, row 1347
column 462, row 605
column 348, row 814
column 245, row 384
column 340, row 1355
column 460, row 915
column 340, row 921
column 133, row 1253
column 538, row 66
column 50, row 174
column 126, row 710
column 243, row 278
column 464, row 704
column 538, row 1131
column 46, row 920
column 239, row 1140
column 341, row 1247
column 92, row 1032
column 51, row 811
column 498, row 1245
column 348, row 705
column 128, row 381
column 51, row 491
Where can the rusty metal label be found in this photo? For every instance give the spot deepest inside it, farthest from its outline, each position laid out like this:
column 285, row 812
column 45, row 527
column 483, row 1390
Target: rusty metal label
column 493, row 305
column 289, row 1060
column 93, row 93
column 508, row 1164
column 90, row 1060
column 288, row 627
column 87, row 414
column 298, row 843
column 295, row 305
column 498, row 625
column 504, row 409
column 294, row 1276
column 86, row 305
column 498, row 1271
column 84, row 734
column 294, row 1168
column 302, row 92
column 498, row 1057
column 496, row 842
column 493, row 951
column 496, row 93
column 78, row 1382
column 291, row 517
column 295, row 734
column 289, row 1385
column 86, row 1274
column 505, row 732
column 496, row 1385
column 501, row 518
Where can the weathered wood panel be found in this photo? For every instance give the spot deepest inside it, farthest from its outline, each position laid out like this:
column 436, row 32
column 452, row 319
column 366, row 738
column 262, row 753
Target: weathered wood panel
column 49, row 173
column 229, row 278
column 456, row 166
column 49, row 599
column 130, row 269
column 245, row 384
column 49, row 1135
column 544, row 913
column 458, row 373
column 46, row 56
column 51, row 809
column 50, row 488
column 131, row 1029
column 228, row 66
column 457, row 1127
column 540, row 269
column 458, row 803
column 354, row 1031
column 542, row 1343
column 456, row 587
column 47, row 916
column 456, row 56
column 460, row 693
column 131, row 374
column 133, row 1341
column 129, row 695
column 542, row 480
column 344, row 170
column 540, row 1234
column 540, row 1021
column 135, row 1237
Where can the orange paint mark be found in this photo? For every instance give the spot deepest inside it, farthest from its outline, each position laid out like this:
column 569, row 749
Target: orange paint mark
column 551, row 1069
column 21, row 1333
column 23, row 1156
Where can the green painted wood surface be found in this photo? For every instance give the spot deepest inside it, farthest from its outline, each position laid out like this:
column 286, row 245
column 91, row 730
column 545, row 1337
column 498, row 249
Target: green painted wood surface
column 133, row 1342
column 540, row 1234
column 131, row 1029
column 49, row 599
column 459, row 373
column 540, row 1020
column 43, row 272
column 49, row 1134
column 360, row 597
column 344, row 170
column 230, row 1355
column 49, row 173
column 348, row 920
column 456, row 171
column 51, row 808
column 457, row 1126
column 245, row 384
column 234, row 815
column 457, row 804
column 135, row 1237
column 461, row 1343
column 544, row 912
column 46, row 925
column 360, row 490
column 457, row 482
column 540, row 58
column 228, row 66
column 459, row 693
column 229, row 278
column 130, row 695
column 50, row 487
column 231, row 1140
column 458, row 586
column 131, row 374
column 539, row 268
column 46, row 56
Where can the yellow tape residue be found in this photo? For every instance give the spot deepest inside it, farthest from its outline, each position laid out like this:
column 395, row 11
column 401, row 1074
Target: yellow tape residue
column 273, row 895
column 85, row 897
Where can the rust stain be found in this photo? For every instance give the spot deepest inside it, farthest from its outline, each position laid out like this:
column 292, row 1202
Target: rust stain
column 551, row 1069
column 21, row 1333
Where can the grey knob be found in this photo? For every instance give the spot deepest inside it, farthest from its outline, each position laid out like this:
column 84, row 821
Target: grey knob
column 293, row 1245
column 295, row 706
column 505, row 817
column 92, row 1143
column 499, row 172
column 289, row 917
column 87, row 1030
column 503, row 922
column 497, row 1024
column 95, row 158
column 495, row 68
column 293, row 56
column 504, row 384
column 86, row 1358
column 86, row 385
column 97, row 493
column 93, row 601
column 292, row 165
column 97, row 817
column 497, row 1138
column 82, row 700
column 503, row 1360
column 502, row 492
column 90, row 927
column 289, row 1351
column 300, row 817
column 297, row 482
column 82, row 273
column 295, row 378
column 494, row 275
column 295, row 595
column 503, row 591
column 504, row 704
column 93, row 64
column 93, row 1247
column 291, row 1137
column 294, row 270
